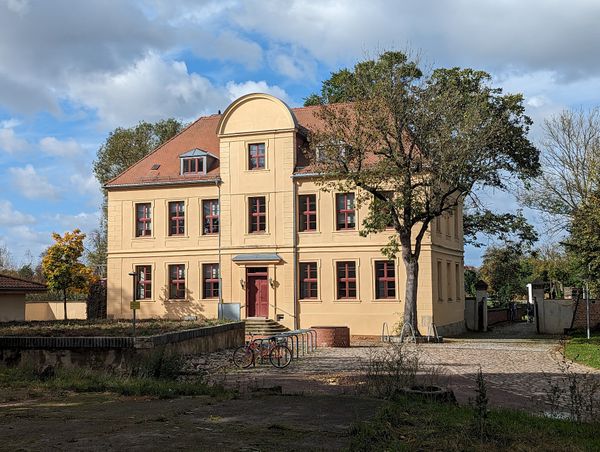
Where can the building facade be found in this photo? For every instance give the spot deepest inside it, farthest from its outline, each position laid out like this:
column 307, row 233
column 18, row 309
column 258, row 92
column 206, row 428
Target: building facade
column 224, row 213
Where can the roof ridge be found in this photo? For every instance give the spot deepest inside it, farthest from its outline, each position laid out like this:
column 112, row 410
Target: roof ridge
column 159, row 147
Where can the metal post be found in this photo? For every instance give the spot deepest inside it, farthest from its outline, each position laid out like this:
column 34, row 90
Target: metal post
column 133, row 298
column 587, row 307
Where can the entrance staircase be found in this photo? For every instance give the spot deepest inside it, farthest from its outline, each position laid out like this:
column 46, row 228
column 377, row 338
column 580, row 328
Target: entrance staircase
column 259, row 326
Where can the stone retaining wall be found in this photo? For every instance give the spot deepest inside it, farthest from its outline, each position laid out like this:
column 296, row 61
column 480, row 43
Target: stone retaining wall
column 115, row 352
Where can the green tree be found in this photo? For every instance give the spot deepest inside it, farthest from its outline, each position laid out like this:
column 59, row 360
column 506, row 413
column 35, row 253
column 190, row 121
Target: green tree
column 124, row 147
column 471, row 278
column 61, row 266
column 584, row 241
column 347, row 86
column 429, row 139
column 506, row 271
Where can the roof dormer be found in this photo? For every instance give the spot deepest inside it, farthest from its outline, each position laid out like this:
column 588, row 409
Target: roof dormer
column 196, row 162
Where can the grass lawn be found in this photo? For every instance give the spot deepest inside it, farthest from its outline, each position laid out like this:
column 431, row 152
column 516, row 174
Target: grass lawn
column 584, row 351
column 73, row 328
column 90, row 381
column 420, row 425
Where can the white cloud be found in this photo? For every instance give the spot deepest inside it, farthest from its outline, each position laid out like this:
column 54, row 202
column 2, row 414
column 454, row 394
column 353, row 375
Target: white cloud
column 149, row 90
column 9, row 216
column 87, row 184
column 9, row 141
column 86, row 221
column 152, row 89
column 235, row 90
column 18, row 6
column 32, row 185
column 55, row 147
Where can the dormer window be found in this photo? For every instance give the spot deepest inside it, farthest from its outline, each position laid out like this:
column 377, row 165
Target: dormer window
column 193, row 165
column 196, row 162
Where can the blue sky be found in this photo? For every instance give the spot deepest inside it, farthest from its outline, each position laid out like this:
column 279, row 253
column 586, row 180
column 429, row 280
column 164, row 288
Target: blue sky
column 71, row 71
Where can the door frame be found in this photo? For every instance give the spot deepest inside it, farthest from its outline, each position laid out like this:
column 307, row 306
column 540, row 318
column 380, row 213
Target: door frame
column 259, row 273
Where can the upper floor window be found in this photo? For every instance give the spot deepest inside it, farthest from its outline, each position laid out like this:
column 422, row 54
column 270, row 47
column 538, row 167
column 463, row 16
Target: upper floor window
column 307, row 212
column 308, row 280
column 385, row 279
column 176, row 218
column 257, row 214
column 196, row 161
column 345, row 215
column 346, row 280
column 210, row 279
column 143, row 290
column 210, row 216
column 143, row 220
column 256, row 156
column 193, row 165
column 177, row 282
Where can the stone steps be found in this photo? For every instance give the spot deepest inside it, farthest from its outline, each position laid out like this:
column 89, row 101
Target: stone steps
column 263, row 327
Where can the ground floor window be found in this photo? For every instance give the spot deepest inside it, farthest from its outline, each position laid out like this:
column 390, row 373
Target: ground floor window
column 346, row 280
column 210, row 279
column 177, row 282
column 385, row 279
column 143, row 289
column 308, row 281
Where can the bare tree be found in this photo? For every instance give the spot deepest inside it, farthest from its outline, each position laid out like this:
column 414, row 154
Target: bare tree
column 570, row 162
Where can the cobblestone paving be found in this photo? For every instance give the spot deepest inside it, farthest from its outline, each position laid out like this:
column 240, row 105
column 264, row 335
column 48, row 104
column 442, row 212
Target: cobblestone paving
column 517, row 364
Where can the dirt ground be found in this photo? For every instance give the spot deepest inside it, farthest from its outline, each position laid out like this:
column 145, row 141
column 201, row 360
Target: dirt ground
column 316, row 402
column 265, row 422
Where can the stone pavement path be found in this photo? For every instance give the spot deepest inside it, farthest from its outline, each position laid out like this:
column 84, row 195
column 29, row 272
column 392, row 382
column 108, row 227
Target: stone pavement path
column 518, row 366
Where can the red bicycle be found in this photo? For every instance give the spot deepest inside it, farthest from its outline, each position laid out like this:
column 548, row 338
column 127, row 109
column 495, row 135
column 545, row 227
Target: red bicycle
column 278, row 353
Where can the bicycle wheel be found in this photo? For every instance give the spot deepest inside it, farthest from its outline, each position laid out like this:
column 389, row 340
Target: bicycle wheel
column 243, row 356
column 280, row 356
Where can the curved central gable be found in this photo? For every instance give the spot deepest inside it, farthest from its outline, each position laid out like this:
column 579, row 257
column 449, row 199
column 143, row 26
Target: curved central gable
column 256, row 113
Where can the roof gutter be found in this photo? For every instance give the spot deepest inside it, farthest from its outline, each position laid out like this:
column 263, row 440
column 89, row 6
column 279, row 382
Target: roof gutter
column 162, row 183
column 301, row 175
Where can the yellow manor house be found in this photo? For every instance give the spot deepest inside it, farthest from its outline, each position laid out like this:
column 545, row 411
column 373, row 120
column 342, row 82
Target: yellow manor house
column 226, row 217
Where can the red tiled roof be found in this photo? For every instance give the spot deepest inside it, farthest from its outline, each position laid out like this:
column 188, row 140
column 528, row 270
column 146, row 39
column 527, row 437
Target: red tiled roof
column 200, row 134
column 12, row 284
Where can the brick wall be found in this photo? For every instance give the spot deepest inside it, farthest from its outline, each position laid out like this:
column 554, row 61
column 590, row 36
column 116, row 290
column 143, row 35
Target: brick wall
column 580, row 315
column 332, row 336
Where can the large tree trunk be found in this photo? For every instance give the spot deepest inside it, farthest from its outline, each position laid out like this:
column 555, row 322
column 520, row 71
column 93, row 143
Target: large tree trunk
column 65, row 303
column 411, row 264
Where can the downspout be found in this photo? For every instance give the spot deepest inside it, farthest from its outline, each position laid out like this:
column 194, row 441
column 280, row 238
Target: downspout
column 295, row 251
column 220, row 307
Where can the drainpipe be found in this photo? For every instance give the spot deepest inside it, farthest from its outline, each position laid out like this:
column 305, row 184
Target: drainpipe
column 220, row 304
column 295, row 251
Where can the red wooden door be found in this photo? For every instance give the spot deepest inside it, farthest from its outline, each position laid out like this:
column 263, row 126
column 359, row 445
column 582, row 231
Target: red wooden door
column 258, row 296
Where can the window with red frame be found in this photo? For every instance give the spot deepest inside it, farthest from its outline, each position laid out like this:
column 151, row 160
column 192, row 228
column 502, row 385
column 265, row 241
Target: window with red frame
column 256, row 156
column 345, row 215
column 143, row 220
column 257, row 213
column 176, row 218
column 307, row 212
column 346, row 280
column 308, row 281
column 210, row 278
column 177, row 282
column 210, row 216
column 385, row 279
column 143, row 282
column 193, row 165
